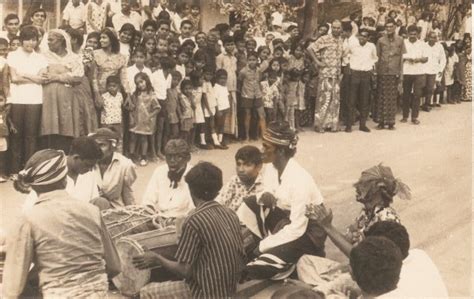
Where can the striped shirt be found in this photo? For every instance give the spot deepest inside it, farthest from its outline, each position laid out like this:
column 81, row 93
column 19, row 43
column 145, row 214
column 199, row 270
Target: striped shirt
column 212, row 244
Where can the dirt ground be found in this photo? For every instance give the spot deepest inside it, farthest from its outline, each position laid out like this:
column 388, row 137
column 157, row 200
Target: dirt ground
column 434, row 159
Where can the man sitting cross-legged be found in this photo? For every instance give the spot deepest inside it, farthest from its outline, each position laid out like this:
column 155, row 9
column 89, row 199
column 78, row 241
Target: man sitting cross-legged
column 210, row 255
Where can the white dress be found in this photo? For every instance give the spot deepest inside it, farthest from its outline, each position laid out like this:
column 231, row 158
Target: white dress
column 198, row 111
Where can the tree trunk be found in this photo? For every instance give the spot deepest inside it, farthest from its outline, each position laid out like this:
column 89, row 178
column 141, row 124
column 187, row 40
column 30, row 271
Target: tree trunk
column 310, row 18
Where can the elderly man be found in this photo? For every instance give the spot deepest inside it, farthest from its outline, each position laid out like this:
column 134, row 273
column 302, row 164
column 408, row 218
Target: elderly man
column 434, row 68
column 326, row 52
column 167, row 193
column 64, row 238
column 115, row 173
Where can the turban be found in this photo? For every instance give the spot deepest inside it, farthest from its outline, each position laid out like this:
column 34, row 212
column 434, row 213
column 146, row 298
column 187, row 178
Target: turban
column 44, row 168
column 381, row 178
column 280, row 133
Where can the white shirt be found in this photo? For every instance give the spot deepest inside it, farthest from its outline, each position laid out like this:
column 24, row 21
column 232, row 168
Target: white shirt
column 436, row 59
column 160, row 84
column 118, row 20
column 76, row 16
column 85, row 188
column 222, row 97
column 296, row 190
column 168, row 202
column 414, row 50
column 419, row 278
column 132, row 71
column 346, row 45
column 28, row 64
column 362, row 58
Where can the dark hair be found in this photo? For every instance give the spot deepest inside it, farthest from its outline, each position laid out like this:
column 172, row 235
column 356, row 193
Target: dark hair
column 3, row 41
column 164, row 15
column 86, row 148
column 167, row 62
column 412, row 28
column 151, row 23
column 75, row 34
column 143, row 76
column 249, row 154
column 129, row 27
column 93, row 34
column 204, row 181
column 376, row 263
column 37, row 11
column 185, row 83
column 14, row 38
column 176, row 74
column 10, row 17
column 393, row 231
column 278, row 49
column 252, row 54
column 184, row 22
column 200, row 55
column 222, row 27
column 227, row 40
column 276, row 41
column 139, row 49
column 346, row 26
column 114, row 42
column 364, row 30
column 163, row 22
column 29, row 32
column 113, row 79
column 188, row 42
column 221, row 73
column 173, row 39
column 390, row 21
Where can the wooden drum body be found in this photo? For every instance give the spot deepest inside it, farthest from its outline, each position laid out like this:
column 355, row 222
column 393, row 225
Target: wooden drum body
column 131, row 280
column 128, row 220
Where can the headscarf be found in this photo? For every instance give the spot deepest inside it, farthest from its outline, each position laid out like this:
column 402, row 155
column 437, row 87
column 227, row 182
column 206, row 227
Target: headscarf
column 280, row 133
column 44, row 168
column 44, row 42
column 381, row 178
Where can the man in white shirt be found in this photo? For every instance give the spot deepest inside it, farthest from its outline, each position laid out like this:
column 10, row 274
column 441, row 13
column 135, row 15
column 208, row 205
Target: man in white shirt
column 434, row 67
column 363, row 56
column 74, row 15
column 167, row 192
column 81, row 183
column 413, row 75
column 186, row 30
column 126, row 15
column 11, row 23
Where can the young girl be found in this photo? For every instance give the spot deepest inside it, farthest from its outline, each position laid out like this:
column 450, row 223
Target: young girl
column 172, row 99
column 126, row 38
column 291, row 94
column 186, row 110
column 200, row 102
column 274, row 67
column 138, row 58
column 271, row 96
column 143, row 116
column 149, row 43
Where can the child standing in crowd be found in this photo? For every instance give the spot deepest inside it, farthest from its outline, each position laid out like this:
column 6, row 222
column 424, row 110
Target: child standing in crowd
column 186, row 110
column 209, row 115
column 183, row 59
column 6, row 126
column 291, row 90
column 111, row 114
column 138, row 57
column 271, row 96
column 450, row 74
column 223, row 100
column 172, row 101
column 200, row 103
column 143, row 116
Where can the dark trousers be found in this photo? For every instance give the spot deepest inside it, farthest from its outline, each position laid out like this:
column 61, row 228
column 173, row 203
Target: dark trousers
column 429, row 88
column 26, row 119
column 412, row 101
column 345, row 89
column 359, row 97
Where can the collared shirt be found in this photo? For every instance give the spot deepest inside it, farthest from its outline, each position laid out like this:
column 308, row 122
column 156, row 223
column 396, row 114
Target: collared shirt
column 116, row 183
column 362, row 58
column 118, row 20
column 250, row 82
column 212, row 244
column 295, row 190
column 389, row 52
column 68, row 243
column 84, row 189
column 228, row 63
column 169, row 202
column 160, row 84
column 414, row 50
column 132, row 71
column 222, row 97
column 234, row 192
column 436, row 59
column 329, row 50
column 75, row 15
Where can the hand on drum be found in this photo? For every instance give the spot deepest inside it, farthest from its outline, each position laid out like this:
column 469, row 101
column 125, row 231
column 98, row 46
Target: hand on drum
column 147, row 260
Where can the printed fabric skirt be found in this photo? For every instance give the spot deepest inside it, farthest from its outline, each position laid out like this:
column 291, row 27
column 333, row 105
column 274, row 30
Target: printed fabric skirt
column 387, row 99
column 327, row 112
column 467, row 92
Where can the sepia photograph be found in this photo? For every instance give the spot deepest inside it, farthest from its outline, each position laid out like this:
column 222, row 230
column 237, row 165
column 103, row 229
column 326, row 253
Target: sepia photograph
column 236, row 149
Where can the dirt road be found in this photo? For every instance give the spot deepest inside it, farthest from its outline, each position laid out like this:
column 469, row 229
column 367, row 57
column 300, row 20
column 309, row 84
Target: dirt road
column 434, row 159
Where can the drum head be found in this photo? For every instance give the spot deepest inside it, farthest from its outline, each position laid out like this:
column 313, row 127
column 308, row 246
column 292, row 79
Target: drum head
column 130, row 280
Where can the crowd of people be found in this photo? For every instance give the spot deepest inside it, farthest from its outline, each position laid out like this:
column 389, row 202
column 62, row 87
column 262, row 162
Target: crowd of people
column 152, row 74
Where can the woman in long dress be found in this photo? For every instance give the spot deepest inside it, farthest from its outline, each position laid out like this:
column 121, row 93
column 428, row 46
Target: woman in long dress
column 60, row 120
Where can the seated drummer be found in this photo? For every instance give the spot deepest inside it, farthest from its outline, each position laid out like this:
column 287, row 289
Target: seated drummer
column 247, row 181
column 210, row 255
column 115, row 173
column 63, row 237
column 81, row 183
column 167, row 193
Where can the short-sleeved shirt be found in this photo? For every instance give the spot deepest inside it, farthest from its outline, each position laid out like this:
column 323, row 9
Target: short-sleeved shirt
column 160, row 84
column 212, row 244
column 30, row 64
column 228, row 63
column 222, row 97
column 389, row 52
column 329, row 50
column 250, row 80
column 76, row 16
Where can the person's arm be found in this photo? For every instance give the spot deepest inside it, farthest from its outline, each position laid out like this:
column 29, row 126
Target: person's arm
column 130, row 176
column 312, row 54
column 151, row 194
column 18, row 78
column 111, row 257
column 205, row 104
column 6, row 80
column 442, row 62
column 324, row 217
column 151, row 259
column 20, row 249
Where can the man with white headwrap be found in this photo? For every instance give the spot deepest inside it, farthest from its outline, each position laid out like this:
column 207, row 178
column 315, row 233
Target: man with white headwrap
column 64, row 238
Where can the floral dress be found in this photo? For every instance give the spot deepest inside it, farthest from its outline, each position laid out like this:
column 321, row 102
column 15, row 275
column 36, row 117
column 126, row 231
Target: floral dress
column 355, row 232
column 98, row 16
column 106, row 65
column 467, row 90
